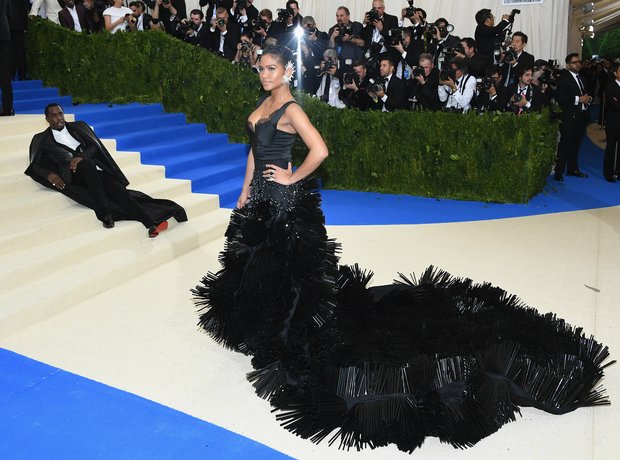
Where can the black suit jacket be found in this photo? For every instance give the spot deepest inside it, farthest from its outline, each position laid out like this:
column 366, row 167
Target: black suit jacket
column 427, row 95
column 565, row 94
column 389, row 22
column 486, row 37
column 66, row 20
column 525, row 60
column 18, row 19
column 396, row 95
column 200, row 39
column 5, row 13
column 533, row 95
column 435, row 48
column 232, row 37
column 612, row 93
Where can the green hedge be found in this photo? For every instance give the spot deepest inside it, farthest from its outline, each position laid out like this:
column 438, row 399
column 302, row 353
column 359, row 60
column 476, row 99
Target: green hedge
column 499, row 158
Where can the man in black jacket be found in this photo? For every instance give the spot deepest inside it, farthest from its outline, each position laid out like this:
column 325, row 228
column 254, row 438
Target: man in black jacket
column 573, row 98
column 426, row 84
column 393, row 95
column 65, row 17
column 70, row 158
column 522, row 97
column 198, row 29
column 443, row 40
column 521, row 59
column 611, row 163
column 5, row 61
column 223, row 36
column 376, row 28
column 488, row 35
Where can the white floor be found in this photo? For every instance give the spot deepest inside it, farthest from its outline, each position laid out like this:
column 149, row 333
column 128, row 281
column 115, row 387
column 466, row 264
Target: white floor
column 140, row 335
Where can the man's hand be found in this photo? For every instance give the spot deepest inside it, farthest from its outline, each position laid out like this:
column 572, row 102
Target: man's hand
column 492, row 91
column 74, row 163
column 312, row 37
column 505, row 17
column 378, row 24
column 585, row 99
column 399, row 47
column 420, row 79
column 380, row 93
column 336, row 32
column 352, row 86
column 449, row 82
column 522, row 102
column 56, row 181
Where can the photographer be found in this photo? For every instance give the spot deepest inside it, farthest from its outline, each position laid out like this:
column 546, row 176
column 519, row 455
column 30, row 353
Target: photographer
column 171, row 12
column 516, row 57
column 488, row 35
column 145, row 21
column 443, row 42
column 316, row 40
column 346, row 37
column 376, row 25
column 223, row 35
column 390, row 91
column 426, row 83
column 355, row 91
column 212, row 6
column 420, row 37
column 244, row 12
column 476, row 63
column 522, row 97
column 402, row 43
column 329, row 88
column 457, row 88
column 284, row 27
column 262, row 27
column 490, row 90
column 545, row 79
column 246, row 51
column 194, row 30
column 117, row 17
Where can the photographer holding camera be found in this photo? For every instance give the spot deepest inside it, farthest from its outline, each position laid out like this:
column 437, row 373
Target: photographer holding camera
column 244, row 12
column 490, row 90
column 346, row 37
column 389, row 91
column 194, row 29
column 456, row 87
column 223, row 35
column 420, row 37
column 426, row 84
column 329, row 87
column 476, row 63
column 246, row 51
column 355, row 91
column 516, row 57
column 262, row 27
column 401, row 41
column 488, row 35
column 284, row 27
column 521, row 97
column 376, row 25
column 443, row 43
column 171, row 12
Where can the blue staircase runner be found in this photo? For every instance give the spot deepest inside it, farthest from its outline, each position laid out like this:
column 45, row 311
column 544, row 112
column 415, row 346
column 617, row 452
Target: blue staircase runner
column 189, row 151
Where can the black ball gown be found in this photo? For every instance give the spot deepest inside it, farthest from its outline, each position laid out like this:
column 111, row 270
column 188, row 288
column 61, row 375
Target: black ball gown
column 429, row 356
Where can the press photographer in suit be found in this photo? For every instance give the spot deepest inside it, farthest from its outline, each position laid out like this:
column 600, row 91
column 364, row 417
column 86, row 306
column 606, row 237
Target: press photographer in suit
column 487, row 34
column 426, row 82
column 611, row 166
column 522, row 97
column 516, row 57
column 573, row 98
column 377, row 23
column 392, row 92
column 223, row 35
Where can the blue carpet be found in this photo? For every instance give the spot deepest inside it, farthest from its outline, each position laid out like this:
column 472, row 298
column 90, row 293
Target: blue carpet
column 49, row 413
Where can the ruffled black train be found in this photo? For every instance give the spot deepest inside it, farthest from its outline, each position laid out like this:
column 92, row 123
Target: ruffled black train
column 429, row 356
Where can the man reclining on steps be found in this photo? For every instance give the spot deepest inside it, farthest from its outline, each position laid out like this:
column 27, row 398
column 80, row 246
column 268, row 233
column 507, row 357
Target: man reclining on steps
column 70, row 158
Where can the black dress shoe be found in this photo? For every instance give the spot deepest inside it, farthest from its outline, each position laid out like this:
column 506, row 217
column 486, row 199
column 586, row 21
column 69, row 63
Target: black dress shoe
column 577, row 174
column 7, row 113
column 610, row 179
column 558, row 177
column 108, row 222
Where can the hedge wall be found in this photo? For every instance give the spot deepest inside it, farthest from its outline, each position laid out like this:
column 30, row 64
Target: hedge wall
column 499, row 158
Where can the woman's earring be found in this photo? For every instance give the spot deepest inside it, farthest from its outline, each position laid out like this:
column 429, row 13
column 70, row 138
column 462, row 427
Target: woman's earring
column 289, row 70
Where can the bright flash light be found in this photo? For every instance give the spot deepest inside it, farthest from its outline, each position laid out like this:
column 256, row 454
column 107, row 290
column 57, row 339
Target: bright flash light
column 299, row 31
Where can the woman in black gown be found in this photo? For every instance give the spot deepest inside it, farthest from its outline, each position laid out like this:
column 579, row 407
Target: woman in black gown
column 432, row 356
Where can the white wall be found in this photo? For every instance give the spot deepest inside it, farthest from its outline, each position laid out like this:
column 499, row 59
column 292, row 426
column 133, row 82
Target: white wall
column 546, row 25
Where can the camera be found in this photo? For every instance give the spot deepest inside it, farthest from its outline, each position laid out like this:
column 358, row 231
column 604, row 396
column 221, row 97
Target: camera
column 246, row 46
column 344, row 30
column 457, row 49
column 376, row 86
column 284, row 14
column 410, row 10
column 417, row 72
column 165, row 2
column 221, row 22
column 395, row 36
column 510, row 55
column 242, row 4
column 438, row 26
column 325, row 66
column 447, row 74
column 550, row 77
column 258, row 24
column 373, row 15
column 349, row 78
column 310, row 30
column 511, row 16
column 484, row 84
column 516, row 97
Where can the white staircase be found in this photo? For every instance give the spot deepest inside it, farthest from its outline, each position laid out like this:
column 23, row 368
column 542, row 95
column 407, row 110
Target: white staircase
column 54, row 253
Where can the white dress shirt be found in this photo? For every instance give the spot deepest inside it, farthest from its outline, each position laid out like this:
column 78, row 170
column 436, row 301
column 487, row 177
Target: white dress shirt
column 462, row 96
column 76, row 20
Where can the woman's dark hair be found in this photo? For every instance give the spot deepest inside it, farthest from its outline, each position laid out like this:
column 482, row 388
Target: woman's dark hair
column 282, row 54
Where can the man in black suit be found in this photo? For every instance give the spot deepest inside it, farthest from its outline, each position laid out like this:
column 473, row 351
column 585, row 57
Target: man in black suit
column 573, row 98
column 522, row 97
column 145, row 21
column 66, row 15
column 488, row 35
column 443, row 40
column 476, row 63
column 223, row 35
column 604, row 77
column 18, row 21
column 197, row 33
column 522, row 59
column 427, row 84
column 245, row 15
column 611, row 168
column 393, row 95
column 70, row 158
column 5, row 61
column 376, row 29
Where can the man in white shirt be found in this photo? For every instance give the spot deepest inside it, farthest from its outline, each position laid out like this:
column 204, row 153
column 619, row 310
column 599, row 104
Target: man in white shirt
column 457, row 88
column 74, row 17
column 329, row 89
column 52, row 8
